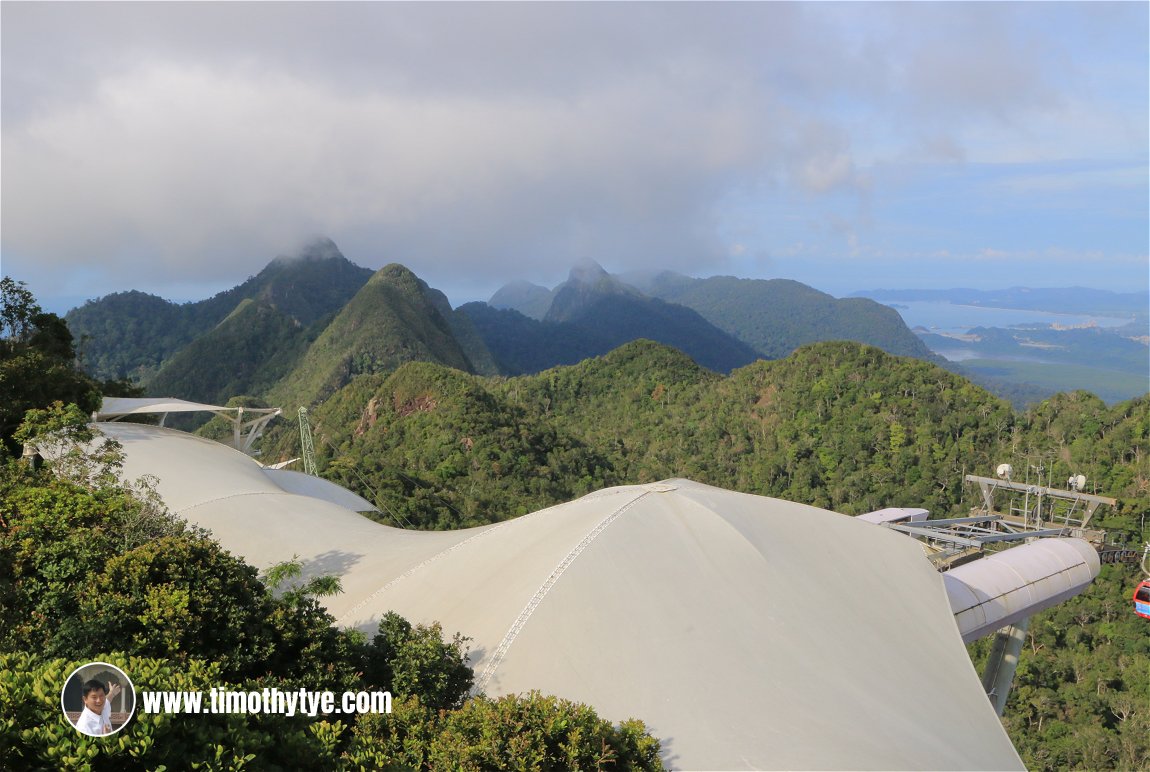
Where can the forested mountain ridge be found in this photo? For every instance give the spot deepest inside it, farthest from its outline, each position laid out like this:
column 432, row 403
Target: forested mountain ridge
column 407, row 439
column 129, row 334
column 132, row 334
column 837, row 425
column 618, row 320
column 529, row 299
column 307, row 286
column 723, row 322
column 587, row 285
column 252, row 339
column 479, row 357
column 769, row 317
column 594, row 324
column 246, row 353
column 776, row 316
column 590, row 314
column 395, row 318
column 521, row 344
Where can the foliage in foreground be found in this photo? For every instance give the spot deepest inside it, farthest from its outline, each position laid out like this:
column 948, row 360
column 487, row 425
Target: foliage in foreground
column 525, row 732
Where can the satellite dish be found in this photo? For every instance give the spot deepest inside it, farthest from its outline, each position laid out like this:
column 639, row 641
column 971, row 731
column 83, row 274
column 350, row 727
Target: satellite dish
column 1077, row 482
column 1004, row 471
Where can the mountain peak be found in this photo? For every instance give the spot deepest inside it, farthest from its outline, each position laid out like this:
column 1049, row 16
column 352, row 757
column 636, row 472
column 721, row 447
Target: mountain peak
column 394, row 318
column 400, row 277
column 314, row 250
column 314, row 281
column 588, row 283
column 587, row 271
column 528, row 299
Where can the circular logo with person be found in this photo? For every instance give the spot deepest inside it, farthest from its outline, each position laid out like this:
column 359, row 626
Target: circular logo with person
column 98, row 699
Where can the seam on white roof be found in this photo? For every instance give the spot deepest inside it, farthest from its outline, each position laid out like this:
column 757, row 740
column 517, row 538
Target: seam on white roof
column 524, row 615
column 409, row 572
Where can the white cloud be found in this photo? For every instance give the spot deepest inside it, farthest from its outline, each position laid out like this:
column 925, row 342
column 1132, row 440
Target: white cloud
column 181, row 160
column 198, row 139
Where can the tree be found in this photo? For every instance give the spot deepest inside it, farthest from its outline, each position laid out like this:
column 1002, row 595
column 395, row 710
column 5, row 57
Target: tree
column 416, row 660
column 37, row 362
column 17, row 309
column 515, row 732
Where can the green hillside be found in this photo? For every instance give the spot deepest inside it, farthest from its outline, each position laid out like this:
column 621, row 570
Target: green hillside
column 520, row 344
column 132, row 334
column 129, row 334
column 246, row 353
column 435, row 448
column 393, row 319
column 479, row 357
column 601, row 323
column 776, row 316
column 837, row 425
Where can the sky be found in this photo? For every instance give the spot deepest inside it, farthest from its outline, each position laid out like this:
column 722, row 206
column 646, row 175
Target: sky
column 177, row 148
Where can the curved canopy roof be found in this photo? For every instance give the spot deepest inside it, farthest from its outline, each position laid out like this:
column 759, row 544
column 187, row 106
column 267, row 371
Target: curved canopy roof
column 748, row 632
column 318, row 488
column 245, row 431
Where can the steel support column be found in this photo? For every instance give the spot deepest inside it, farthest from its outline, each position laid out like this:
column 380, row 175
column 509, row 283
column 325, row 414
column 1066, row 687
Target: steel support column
column 999, row 674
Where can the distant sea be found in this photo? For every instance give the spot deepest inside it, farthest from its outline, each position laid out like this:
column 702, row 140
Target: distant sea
column 951, row 319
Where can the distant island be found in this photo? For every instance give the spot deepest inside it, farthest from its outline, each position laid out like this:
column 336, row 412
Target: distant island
column 1088, row 336
column 1066, row 300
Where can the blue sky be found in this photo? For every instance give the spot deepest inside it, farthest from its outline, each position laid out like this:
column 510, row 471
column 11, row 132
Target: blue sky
column 1044, row 224
column 177, row 148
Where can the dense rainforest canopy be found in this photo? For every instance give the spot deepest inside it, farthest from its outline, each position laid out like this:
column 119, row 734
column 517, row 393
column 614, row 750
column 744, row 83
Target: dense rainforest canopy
column 837, row 425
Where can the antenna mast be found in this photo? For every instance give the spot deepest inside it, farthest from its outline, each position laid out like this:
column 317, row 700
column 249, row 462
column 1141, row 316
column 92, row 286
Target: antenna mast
column 306, row 444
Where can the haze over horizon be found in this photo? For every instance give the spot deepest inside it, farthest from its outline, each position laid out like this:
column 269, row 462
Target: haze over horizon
column 177, row 148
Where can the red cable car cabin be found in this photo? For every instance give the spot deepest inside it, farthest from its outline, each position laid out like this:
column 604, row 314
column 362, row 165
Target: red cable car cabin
column 1142, row 599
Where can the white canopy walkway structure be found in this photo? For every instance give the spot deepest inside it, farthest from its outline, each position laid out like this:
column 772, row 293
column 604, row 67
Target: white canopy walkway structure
column 245, row 430
column 748, row 632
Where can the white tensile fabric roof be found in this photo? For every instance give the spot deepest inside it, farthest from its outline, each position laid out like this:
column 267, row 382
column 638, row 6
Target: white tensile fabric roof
column 245, row 430
column 118, row 406
column 747, row 632
column 123, row 406
column 319, row 488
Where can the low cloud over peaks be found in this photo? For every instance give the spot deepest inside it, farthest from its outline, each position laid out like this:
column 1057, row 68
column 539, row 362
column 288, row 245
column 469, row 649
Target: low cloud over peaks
column 483, row 142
